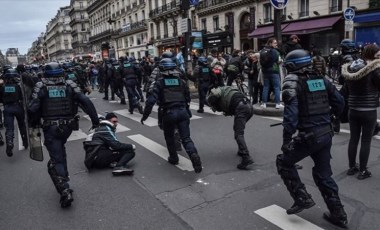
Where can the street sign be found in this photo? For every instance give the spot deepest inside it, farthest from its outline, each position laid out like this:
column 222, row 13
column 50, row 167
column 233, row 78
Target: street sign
column 279, row 4
column 349, row 13
column 184, row 25
column 349, row 25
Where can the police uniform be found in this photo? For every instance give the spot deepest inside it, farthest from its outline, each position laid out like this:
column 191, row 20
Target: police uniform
column 232, row 102
column 172, row 94
column 12, row 98
column 308, row 99
column 108, row 83
column 55, row 100
column 117, row 82
column 203, row 75
column 130, row 74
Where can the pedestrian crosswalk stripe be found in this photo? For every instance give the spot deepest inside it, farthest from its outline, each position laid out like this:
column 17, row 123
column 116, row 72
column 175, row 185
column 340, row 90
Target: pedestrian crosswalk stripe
column 161, row 151
column 76, row 135
column 137, row 117
column 120, row 128
column 195, row 106
column 193, row 117
column 277, row 216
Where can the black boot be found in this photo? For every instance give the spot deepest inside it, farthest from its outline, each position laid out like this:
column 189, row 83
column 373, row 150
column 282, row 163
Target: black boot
column 9, row 149
column 196, row 161
column 140, row 108
column 303, row 201
column 1, row 140
column 337, row 216
column 1, row 125
column 173, row 159
column 123, row 101
column 66, row 198
column 245, row 161
column 25, row 141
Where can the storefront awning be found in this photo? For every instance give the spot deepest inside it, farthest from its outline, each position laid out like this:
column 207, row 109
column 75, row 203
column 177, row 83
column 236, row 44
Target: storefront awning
column 265, row 31
column 311, row 26
column 371, row 17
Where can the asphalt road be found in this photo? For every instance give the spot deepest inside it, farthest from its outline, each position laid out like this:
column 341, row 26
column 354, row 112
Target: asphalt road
column 163, row 196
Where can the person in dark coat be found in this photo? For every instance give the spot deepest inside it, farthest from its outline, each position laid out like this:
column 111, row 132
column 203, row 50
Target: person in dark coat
column 292, row 44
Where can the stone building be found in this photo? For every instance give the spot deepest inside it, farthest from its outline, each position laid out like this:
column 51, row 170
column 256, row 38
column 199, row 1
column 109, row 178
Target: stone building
column 58, row 36
column 80, row 29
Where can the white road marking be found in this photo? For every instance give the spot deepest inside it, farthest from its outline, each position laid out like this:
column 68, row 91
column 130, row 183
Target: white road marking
column 120, row 128
column 193, row 117
column 195, row 106
column 277, row 216
column 77, row 135
column 161, row 151
column 114, row 101
column 137, row 117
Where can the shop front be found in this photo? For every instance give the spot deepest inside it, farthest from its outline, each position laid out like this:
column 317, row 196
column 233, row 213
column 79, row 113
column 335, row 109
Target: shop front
column 223, row 41
column 367, row 28
column 322, row 33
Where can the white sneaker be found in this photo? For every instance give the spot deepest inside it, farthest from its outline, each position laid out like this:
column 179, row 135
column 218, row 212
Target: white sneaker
column 279, row 106
column 263, row 105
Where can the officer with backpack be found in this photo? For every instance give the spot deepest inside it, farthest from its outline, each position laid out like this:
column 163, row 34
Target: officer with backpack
column 235, row 67
column 269, row 60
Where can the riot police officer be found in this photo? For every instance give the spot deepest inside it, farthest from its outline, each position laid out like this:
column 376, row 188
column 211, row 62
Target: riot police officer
column 130, row 73
column 12, row 98
column 309, row 99
column 172, row 94
column 117, row 81
column 206, row 79
column 55, row 100
column 108, row 80
column 232, row 102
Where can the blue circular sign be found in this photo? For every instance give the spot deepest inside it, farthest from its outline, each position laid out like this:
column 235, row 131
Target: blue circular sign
column 279, row 4
column 349, row 13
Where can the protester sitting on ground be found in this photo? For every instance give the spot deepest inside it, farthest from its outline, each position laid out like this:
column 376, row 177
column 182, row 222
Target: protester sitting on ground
column 104, row 150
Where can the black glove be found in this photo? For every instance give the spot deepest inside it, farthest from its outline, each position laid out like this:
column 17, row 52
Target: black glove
column 143, row 119
column 287, row 147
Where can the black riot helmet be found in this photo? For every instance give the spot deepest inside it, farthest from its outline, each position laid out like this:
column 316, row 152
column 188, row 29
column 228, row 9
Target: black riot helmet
column 53, row 69
column 10, row 74
column 297, row 59
column 167, row 64
column 202, row 61
column 6, row 67
column 167, row 54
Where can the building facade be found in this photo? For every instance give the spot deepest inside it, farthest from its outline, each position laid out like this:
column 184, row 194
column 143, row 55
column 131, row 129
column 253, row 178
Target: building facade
column 80, row 29
column 58, row 36
column 99, row 14
column 226, row 23
column 38, row 52
column 12, row 56
column 129, row 27
column 318, row 24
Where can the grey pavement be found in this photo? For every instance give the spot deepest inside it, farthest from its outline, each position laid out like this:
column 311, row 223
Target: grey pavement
column 162, row 196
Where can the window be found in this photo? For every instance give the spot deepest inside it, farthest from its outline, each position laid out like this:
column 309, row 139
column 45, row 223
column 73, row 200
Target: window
column 136, row 18
column 215, row 23
column 143, row 14
column 83, row 27
column 166, row 32
column 204, row 24
column 66, row 46
column 267, row 12
column 158, row 31
column 304, row 8
column 81, row 16
column 336, row 5
column 80, row 5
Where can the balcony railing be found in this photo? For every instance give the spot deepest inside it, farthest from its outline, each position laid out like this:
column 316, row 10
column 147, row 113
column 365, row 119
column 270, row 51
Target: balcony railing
column 141, row 2
column 134, row 26
column 123, row 11
column 304, row 14
column 205, row 4
column 163, row 9
column 158, row 37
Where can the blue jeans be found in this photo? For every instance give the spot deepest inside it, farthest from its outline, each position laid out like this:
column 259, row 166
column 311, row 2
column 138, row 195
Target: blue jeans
column 94, row 81
column 12, row 111
column 271, row 80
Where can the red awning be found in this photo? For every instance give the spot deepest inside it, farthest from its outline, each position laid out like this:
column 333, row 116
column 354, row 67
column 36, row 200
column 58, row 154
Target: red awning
column 265, row 31
column 311, row 26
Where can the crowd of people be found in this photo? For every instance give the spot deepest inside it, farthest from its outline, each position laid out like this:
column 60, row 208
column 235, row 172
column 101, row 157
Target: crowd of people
column 50, row 95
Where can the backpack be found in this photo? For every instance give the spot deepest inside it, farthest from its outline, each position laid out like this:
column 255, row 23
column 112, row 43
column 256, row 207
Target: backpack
column 266, row 57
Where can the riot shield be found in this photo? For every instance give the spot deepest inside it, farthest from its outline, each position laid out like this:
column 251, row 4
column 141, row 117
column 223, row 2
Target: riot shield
column 35, row 143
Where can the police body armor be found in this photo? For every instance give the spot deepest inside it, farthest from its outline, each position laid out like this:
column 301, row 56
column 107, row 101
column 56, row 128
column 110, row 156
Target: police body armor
column 116, row 72
column 204, row 73
column 59, row 102
column 173, row 90
column 316, row 100
column 128, row 71
column 11, row 93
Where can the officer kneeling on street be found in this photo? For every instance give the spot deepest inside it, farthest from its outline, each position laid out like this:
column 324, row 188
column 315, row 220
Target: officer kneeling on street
column 309, row 100
column 172, row 94
column 232, row 102
column 104, row 150
column 12, row 98
column 56, row 101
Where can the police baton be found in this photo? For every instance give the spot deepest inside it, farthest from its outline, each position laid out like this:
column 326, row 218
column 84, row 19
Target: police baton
column 276, row 124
